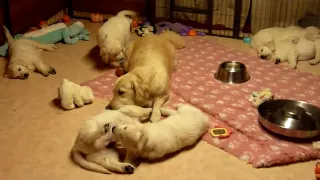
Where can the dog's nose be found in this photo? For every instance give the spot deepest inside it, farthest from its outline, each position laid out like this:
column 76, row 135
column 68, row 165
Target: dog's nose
column 113, row 128
column 108, row 107
column 263, row 57
column 277, row 61
column 26, row 75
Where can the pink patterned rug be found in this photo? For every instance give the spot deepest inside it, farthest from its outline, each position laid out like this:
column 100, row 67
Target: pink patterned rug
column 227, row 105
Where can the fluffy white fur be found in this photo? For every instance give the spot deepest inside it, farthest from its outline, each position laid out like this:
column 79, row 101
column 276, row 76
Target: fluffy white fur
column 264, row 41
column 149, row 61
column 90, row 151
column 25, row 57
column 71, row 94
column 113, row 35
column 299, row 49
column 182, row 128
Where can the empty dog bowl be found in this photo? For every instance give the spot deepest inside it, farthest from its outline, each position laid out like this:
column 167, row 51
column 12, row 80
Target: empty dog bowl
column 232, row 72
column 290, row 118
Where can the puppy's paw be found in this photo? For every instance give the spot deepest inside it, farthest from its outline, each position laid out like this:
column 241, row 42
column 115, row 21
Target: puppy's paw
column 314, row 61
column 45, row 74
column 51, row 47
column 129, row 169
column 147, row 112
column 155, row 117
column 52, row 71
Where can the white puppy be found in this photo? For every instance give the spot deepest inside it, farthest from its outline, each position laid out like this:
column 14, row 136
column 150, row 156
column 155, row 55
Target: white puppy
column 293, row 51
column 182, row 128
column 89, row 150
column 112, row 37
column 264, row 41
column 25, row 57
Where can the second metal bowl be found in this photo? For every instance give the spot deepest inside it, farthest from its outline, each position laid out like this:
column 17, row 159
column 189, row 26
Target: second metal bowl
column 232, row 72
column 290, row 118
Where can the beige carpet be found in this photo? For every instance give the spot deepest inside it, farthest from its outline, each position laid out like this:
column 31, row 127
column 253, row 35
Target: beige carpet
column 36, row 136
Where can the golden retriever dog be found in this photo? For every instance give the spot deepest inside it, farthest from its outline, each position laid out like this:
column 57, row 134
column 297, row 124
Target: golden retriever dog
column 113, row 35
column 90, row 151
column 149, row 63
column 25, row 57
column 182, row 128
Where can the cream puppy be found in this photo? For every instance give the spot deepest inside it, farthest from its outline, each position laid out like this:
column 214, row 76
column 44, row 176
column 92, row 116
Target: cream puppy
column 293, row 51
column 112, row 37
column 182, row 128
column 149, row 61
column 264, row 41
column 25, row 57
column 89, row 150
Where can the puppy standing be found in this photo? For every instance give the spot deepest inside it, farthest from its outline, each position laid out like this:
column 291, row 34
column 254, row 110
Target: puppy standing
column 154, row 140
column 112, row 37
column 25, row 57
column 149, row 61
column 89, row 150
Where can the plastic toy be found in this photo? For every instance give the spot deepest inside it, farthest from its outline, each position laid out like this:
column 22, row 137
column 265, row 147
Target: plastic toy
column 53, row 34
column 72, row 94
column 119, row 72
column 135, row 23
column 258, row 98
column 66, row 18
column 178, row 28
column 43, row 24
column 220, row 132
column 247, row 40
column 96, row 18
column 317, row 171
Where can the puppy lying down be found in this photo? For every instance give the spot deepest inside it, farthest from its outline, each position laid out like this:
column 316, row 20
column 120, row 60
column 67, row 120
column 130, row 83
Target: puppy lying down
column 182, row 128
column 25, row 57
column 90, row 151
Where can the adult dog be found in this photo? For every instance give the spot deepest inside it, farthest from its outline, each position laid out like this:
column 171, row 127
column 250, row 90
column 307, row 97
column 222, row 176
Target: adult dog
column 112, row 37
column 89, row 150
column 149, row 61
column 182, row 128
column 25, row 57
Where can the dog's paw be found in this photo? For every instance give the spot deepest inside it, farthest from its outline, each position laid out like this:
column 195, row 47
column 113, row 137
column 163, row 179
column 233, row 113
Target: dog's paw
column 51, row 47
column 155, row 116
column 52, row 71
column 314, row 61
column 148, row 112
column 45, row 74
column 107, row 128
column 129, row 169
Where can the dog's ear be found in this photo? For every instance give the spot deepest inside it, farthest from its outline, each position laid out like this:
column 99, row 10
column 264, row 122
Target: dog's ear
column 140, row 89
column 142, row 140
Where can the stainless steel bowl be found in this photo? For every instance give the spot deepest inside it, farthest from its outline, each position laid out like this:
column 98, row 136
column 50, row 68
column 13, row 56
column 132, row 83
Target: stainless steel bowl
column 290, row 118
column 232, row 72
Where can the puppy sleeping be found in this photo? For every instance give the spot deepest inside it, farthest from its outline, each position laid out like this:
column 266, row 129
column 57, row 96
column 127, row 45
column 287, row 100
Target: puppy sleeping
column 25, row 57
column 89, row 150
column 182, row 128
column 293, row 50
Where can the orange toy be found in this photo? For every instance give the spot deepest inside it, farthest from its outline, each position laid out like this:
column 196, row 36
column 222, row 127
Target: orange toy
column 134, row 23
column 96, row 18
column 192, row 32
column 317, row 171
column 119, row 72
column 66, row 18
column 42, row 24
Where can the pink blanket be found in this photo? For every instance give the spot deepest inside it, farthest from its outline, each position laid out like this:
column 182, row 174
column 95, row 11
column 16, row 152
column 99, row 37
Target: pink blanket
column 228, row 106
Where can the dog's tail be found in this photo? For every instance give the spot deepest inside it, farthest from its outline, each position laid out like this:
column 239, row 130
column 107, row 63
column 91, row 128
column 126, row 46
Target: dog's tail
column 174, row 38
column 82, row 162
column 8, row 35
column 127, row 13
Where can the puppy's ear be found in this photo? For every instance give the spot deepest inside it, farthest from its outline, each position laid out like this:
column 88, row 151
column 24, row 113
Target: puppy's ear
column 142, row 140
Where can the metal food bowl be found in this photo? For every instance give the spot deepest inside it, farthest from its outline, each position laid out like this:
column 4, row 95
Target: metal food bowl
column 232, row 72
column 290, row 118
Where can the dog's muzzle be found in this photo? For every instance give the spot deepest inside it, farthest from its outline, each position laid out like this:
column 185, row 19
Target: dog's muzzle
column 108, row 107
column 263, row 57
